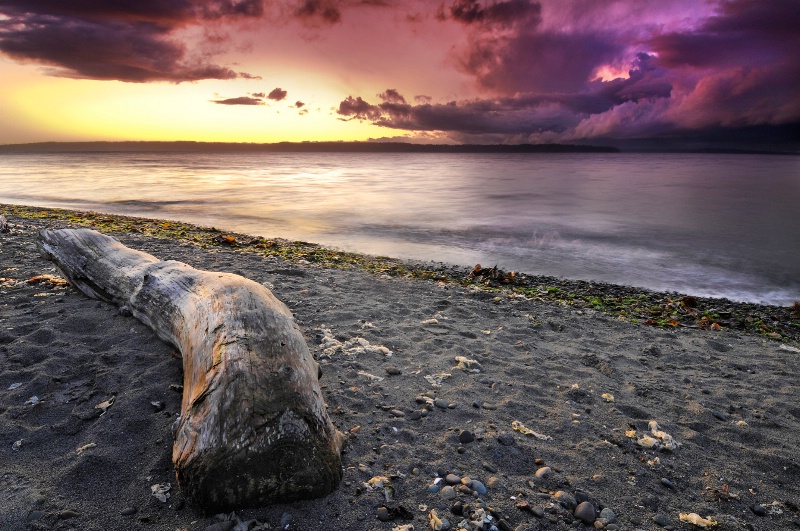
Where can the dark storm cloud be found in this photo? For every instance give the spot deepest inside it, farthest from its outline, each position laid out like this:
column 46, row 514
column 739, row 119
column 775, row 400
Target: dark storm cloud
column 242, row 100
column 499, row 12
column 277, row 94
column 518, row 115
column 125, row 40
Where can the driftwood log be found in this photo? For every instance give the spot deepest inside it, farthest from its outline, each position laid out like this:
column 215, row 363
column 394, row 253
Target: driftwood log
column 253, row 427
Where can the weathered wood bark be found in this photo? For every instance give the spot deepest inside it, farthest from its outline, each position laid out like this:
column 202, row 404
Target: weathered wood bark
column 253, row 427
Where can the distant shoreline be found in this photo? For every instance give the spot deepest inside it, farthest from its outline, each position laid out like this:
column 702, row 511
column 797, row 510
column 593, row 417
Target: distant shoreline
column 296, row 147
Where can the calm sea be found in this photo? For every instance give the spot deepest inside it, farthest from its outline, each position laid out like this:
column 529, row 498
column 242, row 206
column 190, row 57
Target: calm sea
column 710, row 225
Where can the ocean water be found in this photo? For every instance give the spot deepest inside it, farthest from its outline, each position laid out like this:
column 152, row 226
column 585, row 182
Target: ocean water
column 708, row 225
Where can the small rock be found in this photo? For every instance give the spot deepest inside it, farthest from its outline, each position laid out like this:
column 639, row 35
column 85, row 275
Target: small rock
column 393, row 371
column 68, row 513
column 538, row 512
column 452, row 479
column 465, row 437
column 608, row 514
column 383, row 514
column 506, row 439
column 720, row 415
column 396, row 413
column 566, row 500
column 493, row 482
column 415, row 415
column 489, row 467
column 478, row 487
column 758, row 510
column 544, row 472
column 585, row 512
column 661, row 519
column 129, row 511
column 667, row 483
column 448, row 493
column 441, row 404
column 581, row 496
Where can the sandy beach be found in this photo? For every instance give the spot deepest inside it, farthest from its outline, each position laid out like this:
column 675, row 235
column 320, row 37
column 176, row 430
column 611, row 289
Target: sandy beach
column 472, row 404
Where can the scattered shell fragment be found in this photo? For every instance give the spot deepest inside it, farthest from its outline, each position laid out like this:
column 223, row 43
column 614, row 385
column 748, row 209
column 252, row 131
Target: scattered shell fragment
column 404, row 527
column 436, row 379
column 372, row 377
column 14, row 386
column 435, row 521
column 431, row 321
column 161, row 491
column 466, row 364
column 608, row 397
column 352, row 347
column 696, row 519
column 103, row 406
column 85, row 447
column 32, row 401
column 520, row 427
column 660, row 439
column 17, row 445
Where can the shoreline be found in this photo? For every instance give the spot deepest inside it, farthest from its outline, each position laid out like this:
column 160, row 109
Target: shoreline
column 528, row 406
column 644, row 306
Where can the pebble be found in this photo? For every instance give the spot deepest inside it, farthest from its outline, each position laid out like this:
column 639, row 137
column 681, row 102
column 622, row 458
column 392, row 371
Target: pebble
column 286, row 520
column 415, row 415
column 585, row 512
column 465, row 437
column 128, row 511
column 397, row 413
column 667, row 483
column 608, row 514
column 661, row 519
column 452, row 479
column 506, row 439
column 544, row 472
column 383, row 514
column 441, row 404
column 68, row 513
column 758, row 510
column 393, row 371
column 493, row 482
column 489, row 467
column 581, row 496
column 720, row 415
column 566, row 500
column 478, row 487
column 448, row 493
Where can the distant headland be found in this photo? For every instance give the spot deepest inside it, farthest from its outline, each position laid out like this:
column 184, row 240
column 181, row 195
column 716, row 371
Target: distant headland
column 297, row 147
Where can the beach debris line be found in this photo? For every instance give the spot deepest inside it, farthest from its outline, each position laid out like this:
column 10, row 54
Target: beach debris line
column 234, row 448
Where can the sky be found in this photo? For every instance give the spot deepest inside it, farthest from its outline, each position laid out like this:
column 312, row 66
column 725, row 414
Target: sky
column 646, row 73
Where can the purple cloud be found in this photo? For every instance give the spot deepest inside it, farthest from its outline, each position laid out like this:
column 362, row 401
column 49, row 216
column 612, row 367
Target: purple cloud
column 277, row 94
column 242, row 100
column 125, row 41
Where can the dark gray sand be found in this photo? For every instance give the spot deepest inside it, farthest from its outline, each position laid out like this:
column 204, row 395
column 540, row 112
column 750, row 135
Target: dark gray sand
column 586, row 387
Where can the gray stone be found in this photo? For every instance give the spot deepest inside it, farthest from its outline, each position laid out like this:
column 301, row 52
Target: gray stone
column 585, row 512
column 566, row 500
column 661, row 519
column 608, row 514
column 448, row 493
column 128, row 511
column 544, row 472
column 465, row 437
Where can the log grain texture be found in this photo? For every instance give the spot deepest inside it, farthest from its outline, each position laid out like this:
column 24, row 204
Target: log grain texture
column 253, row 428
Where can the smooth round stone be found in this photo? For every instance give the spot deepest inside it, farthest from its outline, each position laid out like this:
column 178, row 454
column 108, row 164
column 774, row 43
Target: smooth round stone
column 478, row 487
column 585, row 512
column 68, row 513
column 448, row 493
column 441, row 404
column 383, row 514
column 465, row 437
column 667, row 483
column 758, row 510
column 538, row 512
column 128, row 511
column 396, row 413
column 544, row 472
column 661, row 519
column 452, row 479
column 566, row 500
column 608, row 514
column 415, row 415
column 506, row 439
column 433, row 488
column 581, row 496
column 493, row 482
column 393, row 371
